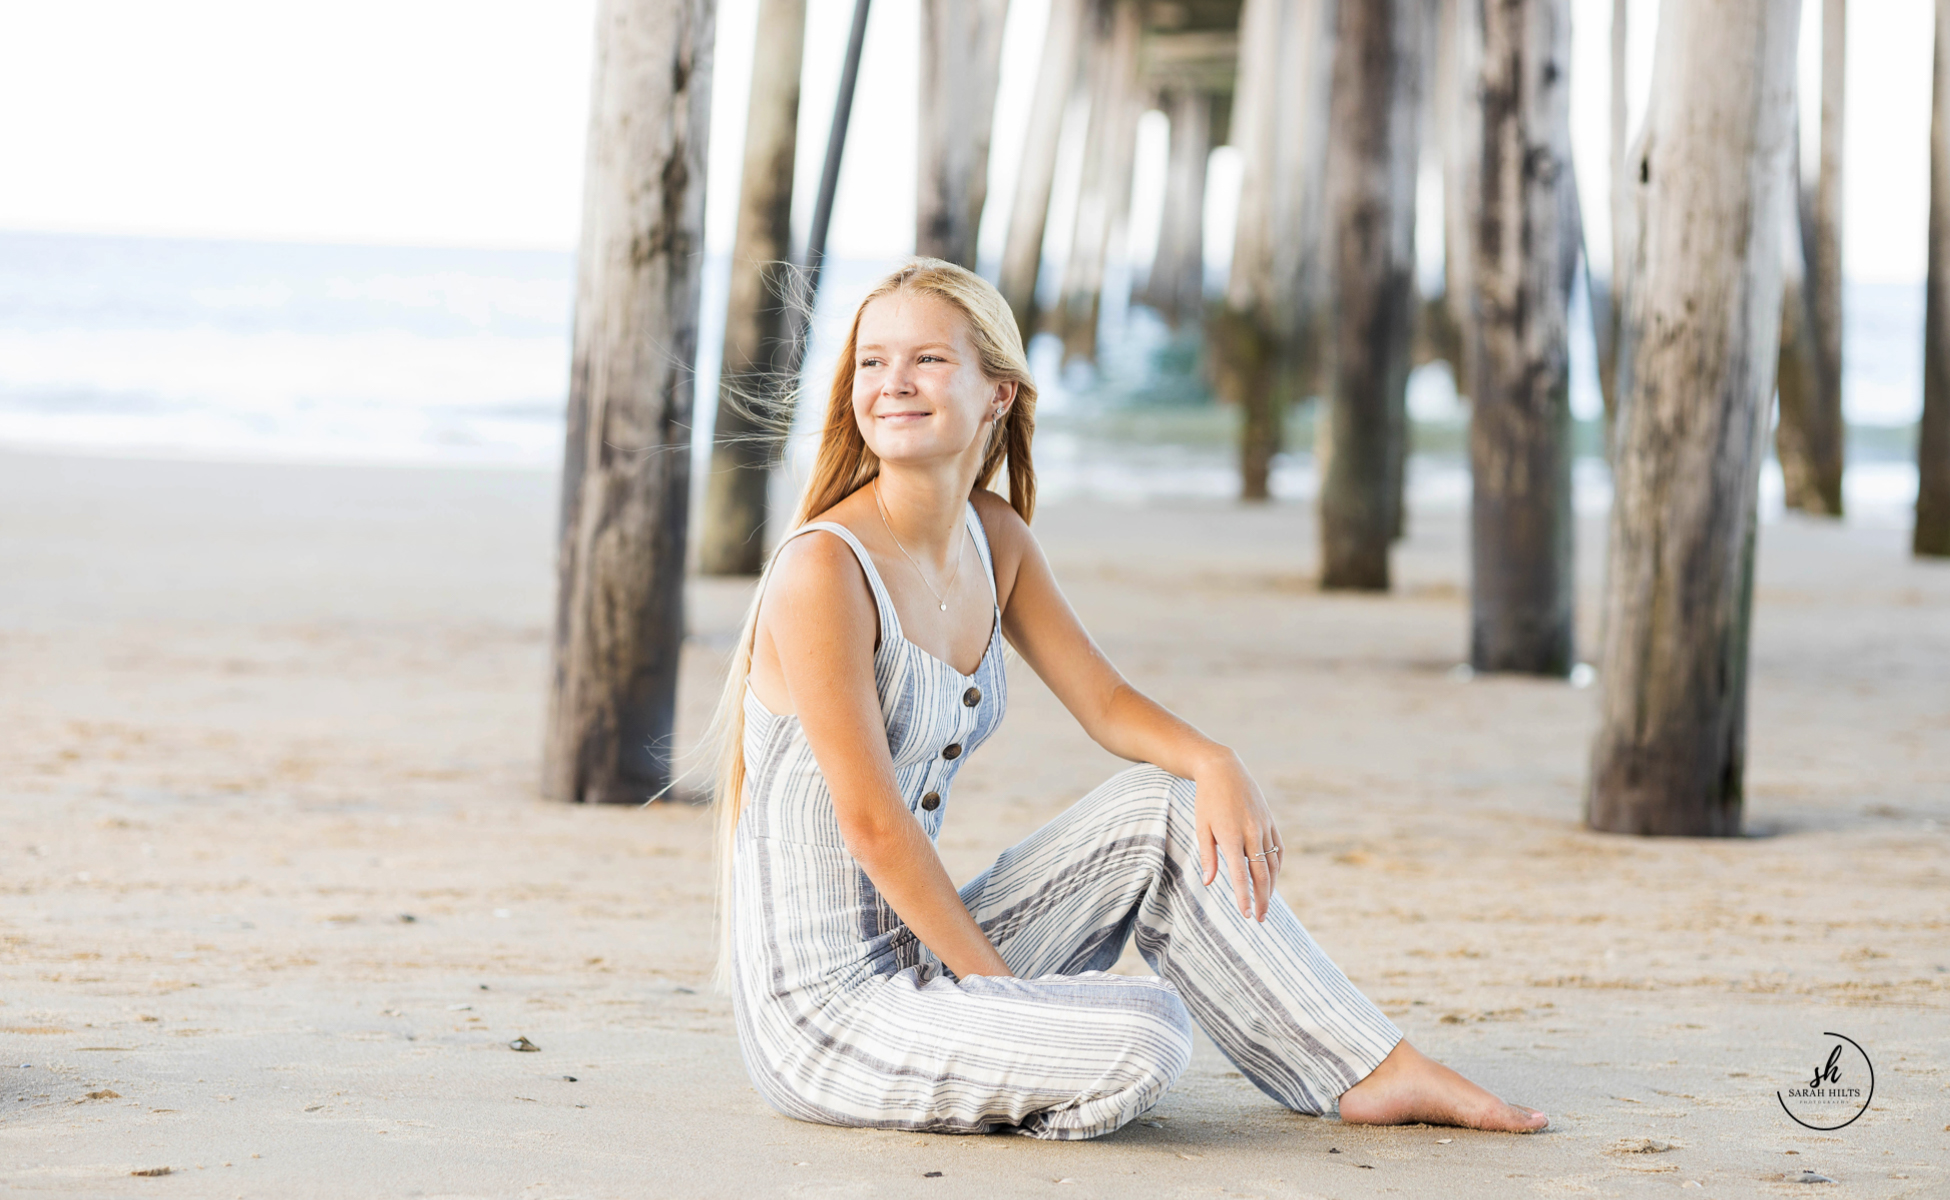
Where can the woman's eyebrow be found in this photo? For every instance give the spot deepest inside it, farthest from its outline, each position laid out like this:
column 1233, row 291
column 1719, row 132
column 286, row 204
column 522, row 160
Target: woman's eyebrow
column 866, row 346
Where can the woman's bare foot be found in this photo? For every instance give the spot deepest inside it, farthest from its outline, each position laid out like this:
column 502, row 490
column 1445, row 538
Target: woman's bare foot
column 1410, row 1087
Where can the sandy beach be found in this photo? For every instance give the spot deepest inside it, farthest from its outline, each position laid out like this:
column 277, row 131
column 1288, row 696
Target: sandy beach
column 278, row 892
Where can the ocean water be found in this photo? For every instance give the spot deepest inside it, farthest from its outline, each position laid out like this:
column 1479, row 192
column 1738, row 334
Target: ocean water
column 322, row 353
column 265, row 351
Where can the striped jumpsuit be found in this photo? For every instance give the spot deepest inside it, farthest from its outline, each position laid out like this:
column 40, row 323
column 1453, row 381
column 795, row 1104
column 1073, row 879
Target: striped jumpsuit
column 845, row 1018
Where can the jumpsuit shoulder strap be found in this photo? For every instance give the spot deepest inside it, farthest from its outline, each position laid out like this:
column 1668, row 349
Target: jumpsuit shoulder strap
column 883, row 602
column 981, row 537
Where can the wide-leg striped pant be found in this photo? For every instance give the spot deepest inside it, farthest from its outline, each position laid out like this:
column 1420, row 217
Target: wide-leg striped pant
column 1065, row 1050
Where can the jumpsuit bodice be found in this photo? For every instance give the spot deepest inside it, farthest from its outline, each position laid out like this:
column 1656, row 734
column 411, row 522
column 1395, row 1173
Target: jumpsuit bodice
column 810, row 928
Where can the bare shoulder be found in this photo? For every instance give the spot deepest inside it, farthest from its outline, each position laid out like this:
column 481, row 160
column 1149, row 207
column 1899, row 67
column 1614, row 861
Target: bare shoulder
column 815, row 582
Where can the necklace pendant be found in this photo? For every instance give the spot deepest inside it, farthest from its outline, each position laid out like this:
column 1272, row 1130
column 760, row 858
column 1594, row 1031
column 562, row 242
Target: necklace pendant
column 944, row 606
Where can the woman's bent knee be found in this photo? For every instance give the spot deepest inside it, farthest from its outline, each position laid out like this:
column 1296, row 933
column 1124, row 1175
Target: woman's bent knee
column 1145, row 793
column 1149, row 1061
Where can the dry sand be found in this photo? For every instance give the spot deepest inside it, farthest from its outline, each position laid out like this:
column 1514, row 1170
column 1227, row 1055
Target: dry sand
column 253, row 717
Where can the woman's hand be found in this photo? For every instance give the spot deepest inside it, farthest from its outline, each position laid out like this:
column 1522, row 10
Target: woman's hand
column 1236, row 828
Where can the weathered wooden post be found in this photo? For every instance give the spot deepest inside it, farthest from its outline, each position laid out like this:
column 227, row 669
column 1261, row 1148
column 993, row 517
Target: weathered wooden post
column 1244, row 346
column 1398, row 445
column 1619, row 200
column 1300, row 244
column 961, row 63
column 757, row 356
column 1056, row 77
column 1454, row 138
column 1372, row 153
column 619, row 618
column 1696, row 371
column 1176, row 286
column 1797, row 371
column 1104, row 193
column 1267, row 336
column 1525, row 255
column 1813, row 436
column 1932, row 533
column 1298, row 210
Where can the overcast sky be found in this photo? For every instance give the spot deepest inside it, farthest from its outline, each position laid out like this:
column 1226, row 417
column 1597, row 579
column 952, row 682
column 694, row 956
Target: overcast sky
column 461, row 122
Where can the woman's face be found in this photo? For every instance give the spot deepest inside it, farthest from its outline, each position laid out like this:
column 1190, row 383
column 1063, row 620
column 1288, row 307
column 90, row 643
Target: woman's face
column 919, row 394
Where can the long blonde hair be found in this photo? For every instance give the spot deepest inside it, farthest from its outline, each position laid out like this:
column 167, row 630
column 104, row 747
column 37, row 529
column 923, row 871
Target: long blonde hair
column 844, row 465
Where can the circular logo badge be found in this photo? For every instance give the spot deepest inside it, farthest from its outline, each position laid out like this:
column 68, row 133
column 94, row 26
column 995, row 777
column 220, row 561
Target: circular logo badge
column 1836, row 1090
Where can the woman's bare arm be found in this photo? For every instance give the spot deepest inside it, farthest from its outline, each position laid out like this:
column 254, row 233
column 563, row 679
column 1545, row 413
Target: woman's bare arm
column 821, row 619
column 1234, row 821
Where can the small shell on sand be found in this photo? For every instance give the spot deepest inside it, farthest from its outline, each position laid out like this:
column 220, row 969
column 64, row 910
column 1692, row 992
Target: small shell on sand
column 1640, row 1145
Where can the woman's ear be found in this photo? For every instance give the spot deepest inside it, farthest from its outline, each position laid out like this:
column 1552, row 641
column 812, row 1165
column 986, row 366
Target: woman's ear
column 1005, row 397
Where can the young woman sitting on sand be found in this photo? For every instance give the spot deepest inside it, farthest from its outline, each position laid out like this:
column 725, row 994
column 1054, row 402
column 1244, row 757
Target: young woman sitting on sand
column 868, row 990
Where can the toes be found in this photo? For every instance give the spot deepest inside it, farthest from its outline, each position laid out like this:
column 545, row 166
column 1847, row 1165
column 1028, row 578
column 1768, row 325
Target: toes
column 1511, row 1118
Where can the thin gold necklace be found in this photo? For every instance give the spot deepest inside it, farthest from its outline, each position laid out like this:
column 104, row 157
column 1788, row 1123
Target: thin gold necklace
column 881, row 508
